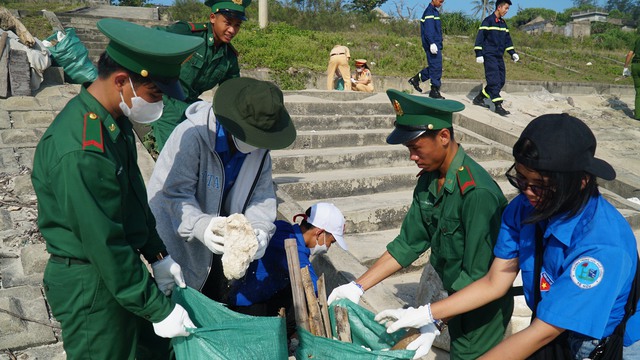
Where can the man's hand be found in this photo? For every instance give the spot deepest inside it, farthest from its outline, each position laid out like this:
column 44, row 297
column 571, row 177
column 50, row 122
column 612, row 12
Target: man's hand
column 626, row 72
column 175, row 324
column 480, row 59
column 168, row 273
column 349, row 291
column 214, row 235
column 263, row 242
column 515, row 57
column 433, row 48
column 423, row 343
column 396, row 319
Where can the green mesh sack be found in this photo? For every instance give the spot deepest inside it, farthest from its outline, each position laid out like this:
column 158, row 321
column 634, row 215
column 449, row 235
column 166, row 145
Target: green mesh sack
column 370, row 340
column 71, row 54
column 225, row 334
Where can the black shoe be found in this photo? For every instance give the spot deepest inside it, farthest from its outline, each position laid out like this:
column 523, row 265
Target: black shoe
column 479, row 100
column 415, row 82
column 500, row 110
column 435, row 93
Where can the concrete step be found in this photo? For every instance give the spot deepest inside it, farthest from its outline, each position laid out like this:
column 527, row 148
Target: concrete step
column 311, row 160
column 354, row 182
column 341, row 121
column 343, row 108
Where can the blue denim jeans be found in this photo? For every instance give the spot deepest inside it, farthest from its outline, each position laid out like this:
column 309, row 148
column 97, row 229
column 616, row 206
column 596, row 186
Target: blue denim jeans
column 581, row 346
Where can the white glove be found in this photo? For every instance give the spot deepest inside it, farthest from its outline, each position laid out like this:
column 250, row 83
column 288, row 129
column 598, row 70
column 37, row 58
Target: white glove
column 423, row 343
column 515, row 57
column 167, row 273
column 396, row 319
column 626, row 72
column 433, row 48
column 214, row 235
column 349, row 291
column 354, row 81
column 480, row 59
column 263, row 242
column 175, row 324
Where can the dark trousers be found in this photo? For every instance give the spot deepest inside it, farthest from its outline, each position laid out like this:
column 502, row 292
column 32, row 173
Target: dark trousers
column 495, row 74
column 94, row 325
column 433, row 71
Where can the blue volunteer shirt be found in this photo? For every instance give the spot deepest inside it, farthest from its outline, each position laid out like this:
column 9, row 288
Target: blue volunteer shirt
column 589, row 263
column 268, row 275
column 231, row 163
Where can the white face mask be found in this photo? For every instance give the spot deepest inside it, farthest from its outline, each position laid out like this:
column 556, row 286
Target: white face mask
column 319, row 249
column 242, row 146
column 359, row 70
column 141, row 111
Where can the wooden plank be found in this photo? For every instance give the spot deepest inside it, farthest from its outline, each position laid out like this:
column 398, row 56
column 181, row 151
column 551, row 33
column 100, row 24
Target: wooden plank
column 19, row 73
column 315, row 319
column 299, row 303
column 4, row 66
column 343, row 328
column 324, row 307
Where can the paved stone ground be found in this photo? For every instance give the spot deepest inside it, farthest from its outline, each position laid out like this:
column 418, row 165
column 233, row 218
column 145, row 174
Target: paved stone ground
column 27, row 330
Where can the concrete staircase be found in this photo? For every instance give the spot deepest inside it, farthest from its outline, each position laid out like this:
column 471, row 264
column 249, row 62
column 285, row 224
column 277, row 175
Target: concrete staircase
column 340, row 156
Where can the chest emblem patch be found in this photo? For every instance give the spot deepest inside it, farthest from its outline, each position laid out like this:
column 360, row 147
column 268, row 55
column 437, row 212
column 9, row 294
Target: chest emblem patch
column 587, row 272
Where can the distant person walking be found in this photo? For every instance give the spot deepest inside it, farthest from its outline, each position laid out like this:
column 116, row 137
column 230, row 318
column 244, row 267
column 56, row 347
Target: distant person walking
column 492, row 41
column 431, row 34
column 339, row 59
column 634, row 72
column 362, row 79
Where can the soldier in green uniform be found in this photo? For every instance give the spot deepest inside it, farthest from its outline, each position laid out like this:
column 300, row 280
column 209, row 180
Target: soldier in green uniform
column 213, row 63
column 456, row 211
column 92, row 204
column 634, row 61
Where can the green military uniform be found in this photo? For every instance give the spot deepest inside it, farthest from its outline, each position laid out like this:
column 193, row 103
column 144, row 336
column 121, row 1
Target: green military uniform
column 459, row 222
column 94, row 216
column 208, row 67
column 635, row 74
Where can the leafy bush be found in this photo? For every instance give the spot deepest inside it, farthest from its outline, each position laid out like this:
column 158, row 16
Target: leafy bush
column 189, row 10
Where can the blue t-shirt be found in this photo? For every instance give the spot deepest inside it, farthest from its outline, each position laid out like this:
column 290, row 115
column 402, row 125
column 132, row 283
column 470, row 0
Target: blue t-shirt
column 231, row 163
column 268, row 275
column 588, row 266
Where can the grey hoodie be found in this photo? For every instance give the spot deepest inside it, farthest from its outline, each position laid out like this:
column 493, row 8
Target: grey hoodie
column 185, row 192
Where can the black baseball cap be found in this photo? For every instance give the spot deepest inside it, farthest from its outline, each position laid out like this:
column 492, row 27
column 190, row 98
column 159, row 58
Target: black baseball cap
column 564, row 143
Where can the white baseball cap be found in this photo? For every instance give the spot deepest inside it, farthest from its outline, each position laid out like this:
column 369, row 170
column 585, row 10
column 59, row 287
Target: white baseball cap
column 328, row 217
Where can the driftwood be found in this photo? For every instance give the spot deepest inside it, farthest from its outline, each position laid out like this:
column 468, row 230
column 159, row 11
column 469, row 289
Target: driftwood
column 315, row 319
column 343, row 328
column 411, row 335
column 10, row 22
column 299, row 303
column 324, row 307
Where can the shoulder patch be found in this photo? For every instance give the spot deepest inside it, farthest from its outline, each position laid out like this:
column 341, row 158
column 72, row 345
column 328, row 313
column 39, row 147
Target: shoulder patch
column 197, row 27
column 92, row 133
column 465, row 179
column 587, row 272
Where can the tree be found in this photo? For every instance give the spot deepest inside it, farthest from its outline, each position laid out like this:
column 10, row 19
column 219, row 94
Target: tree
column 526, row 15
column 624, row 6
column 365, row 6
column 482, row 7
column 131, row 2
column 585, row 3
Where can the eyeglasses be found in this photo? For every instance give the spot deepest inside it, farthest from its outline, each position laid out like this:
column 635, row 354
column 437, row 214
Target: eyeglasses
column 522, row 185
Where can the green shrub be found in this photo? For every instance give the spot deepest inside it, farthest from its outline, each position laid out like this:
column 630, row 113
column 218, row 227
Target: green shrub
column 189, row 10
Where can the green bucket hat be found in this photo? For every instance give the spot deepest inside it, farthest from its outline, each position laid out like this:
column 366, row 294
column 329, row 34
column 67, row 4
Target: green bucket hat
column 253, row 111
column 135, row 48
column 417, row 114
column 234, row 8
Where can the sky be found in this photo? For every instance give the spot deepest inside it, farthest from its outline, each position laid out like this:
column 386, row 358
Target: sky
column 465, row 5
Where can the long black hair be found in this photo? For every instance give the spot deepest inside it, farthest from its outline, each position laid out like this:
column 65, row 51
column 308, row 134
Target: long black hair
column 567, row 195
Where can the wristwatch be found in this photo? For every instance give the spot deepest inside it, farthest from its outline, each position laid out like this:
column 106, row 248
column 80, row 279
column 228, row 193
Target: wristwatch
column 440, row 325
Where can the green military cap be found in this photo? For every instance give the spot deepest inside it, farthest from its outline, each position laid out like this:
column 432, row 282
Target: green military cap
column 234, row 8
column 150, row 53
column 417, row 114
column 253, row 111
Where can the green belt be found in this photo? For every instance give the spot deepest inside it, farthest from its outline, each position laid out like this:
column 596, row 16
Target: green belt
column 68, row 261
